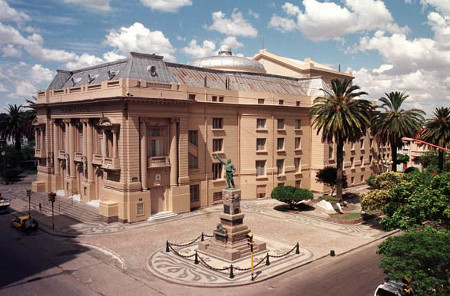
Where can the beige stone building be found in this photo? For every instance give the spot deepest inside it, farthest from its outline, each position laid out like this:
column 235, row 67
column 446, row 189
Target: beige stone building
column 138, row 136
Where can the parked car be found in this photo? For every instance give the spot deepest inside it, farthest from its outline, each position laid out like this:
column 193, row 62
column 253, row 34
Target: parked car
column 4, row 205
column 25, row 224
column 393, row 288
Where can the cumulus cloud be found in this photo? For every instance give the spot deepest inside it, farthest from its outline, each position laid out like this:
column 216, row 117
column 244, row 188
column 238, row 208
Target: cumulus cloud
column 139, row 38
column 24, row 89
column 102, row 5
column 237, row 25
column 232, row 42
column 194, row 50
column 11, row 51
column 253, row 14
column 328, row 20
column 166, row 5
column 8, row 13
column 442, row 6
column 39, row 73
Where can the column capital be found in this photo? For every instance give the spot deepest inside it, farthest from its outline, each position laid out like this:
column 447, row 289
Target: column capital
column 174, row 119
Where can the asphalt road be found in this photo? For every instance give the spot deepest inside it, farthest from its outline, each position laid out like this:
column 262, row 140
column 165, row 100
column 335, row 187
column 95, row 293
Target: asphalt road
column 42, row 264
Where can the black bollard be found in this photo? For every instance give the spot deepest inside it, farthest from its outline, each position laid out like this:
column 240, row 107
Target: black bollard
column 267, row 259
column 196, row 258
column 297, row 249
column 203, row 237
column 231, row 272
column 332, row 253
column 167, row 247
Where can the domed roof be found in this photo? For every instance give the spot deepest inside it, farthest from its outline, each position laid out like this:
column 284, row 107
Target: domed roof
column 226, row 61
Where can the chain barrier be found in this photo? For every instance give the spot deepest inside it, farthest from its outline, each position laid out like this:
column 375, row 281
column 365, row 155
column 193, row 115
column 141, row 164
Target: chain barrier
column 198, row 259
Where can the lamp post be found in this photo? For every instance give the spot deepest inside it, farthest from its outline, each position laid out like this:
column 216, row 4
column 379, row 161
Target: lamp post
column 4, row 166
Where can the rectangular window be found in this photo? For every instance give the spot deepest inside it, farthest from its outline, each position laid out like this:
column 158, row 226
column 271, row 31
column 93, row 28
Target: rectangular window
column 297, row 103
column 156, row 142
column 370, row 159
column 260, row 144
column 280, row 184
column 330, row 152
column 214, row 98
column 194, row 192
column 260, row 123
column 352, row 162
column 192, row 161
column 260, row 168
column 221, row 99
column 298, row 164
column 352, row 180
column 352, row 146
column 370, row 143
column 140, row 209
column 217, row 123
column 361, row 178
column 217, row 196
column 280, row 166
column 298, row 124
column 261, row 101
column 361, row 143
column 298, row 183
column 280, row 124
column 362, row 160
column 191, row 97
column 217, row 171
column 298, row 143
column 280, row 144
column 217, row 145
column 193, row 138
column 260, row 191
column 280, row 102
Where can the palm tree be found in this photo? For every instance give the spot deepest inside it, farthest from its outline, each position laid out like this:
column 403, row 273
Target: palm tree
column 437, row 131
column 15, row 124
column 395, row 123
column 341, row 117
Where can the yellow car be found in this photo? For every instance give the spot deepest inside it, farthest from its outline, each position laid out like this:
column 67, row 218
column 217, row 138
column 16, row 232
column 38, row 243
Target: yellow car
column 25, row 224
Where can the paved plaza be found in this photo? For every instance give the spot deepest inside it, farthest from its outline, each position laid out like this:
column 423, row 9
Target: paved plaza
column 141, row 246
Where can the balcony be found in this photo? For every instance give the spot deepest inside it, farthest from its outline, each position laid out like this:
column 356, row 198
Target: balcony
column 78, row 156
column 97, row 159
column 158, row 161
column 61, row 154
column 111, row 163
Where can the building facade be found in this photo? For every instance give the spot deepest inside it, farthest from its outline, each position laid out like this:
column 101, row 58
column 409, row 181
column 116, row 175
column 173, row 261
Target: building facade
column 138, row 136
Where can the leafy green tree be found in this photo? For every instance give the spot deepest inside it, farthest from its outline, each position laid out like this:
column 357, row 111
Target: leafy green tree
column 341, row 117
column 429, row 161
column 421, row 198
column 395, row 122
column 422, row 256
column 377, row 198
column 437, row 131
column 291, row 195
column 328, row 176
column 402, row 158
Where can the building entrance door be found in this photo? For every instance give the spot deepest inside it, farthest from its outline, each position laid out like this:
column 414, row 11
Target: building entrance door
column 157, row 197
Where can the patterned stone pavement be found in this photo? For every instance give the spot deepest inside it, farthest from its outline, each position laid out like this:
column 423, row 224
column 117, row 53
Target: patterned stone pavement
column 178, row 265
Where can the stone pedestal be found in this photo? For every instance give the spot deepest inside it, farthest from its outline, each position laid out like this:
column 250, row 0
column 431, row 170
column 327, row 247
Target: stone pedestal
column 230, row 237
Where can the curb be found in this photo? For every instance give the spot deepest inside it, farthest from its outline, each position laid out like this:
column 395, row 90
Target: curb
column 107, row 252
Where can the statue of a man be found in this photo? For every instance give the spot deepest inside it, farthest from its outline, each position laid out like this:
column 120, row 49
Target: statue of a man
column 230, row 170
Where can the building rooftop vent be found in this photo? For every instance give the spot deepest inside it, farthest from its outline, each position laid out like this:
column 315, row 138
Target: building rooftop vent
column 112, row 74
column 92, row 77
column 152, row 71
column 75, row 80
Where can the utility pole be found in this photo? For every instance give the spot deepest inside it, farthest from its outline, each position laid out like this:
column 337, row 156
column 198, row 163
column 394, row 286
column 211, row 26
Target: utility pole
column 51, row 198
column 29, row 202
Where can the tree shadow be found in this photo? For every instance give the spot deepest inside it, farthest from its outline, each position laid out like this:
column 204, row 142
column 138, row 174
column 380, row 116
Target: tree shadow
column 301, row 207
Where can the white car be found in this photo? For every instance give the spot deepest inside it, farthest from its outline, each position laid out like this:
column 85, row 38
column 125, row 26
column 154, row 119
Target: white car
column 393, row 288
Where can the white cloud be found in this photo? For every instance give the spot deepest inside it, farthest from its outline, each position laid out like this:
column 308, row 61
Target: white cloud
column 8, row 13
column 2, row 88
column 112, row 56
column 166, row 5
column 39, row 73
column 11, row 51
column 196, row 51
column 383, row 68
column 443, row 6
column 253, row 14
column 84, row 61
column 237, row 25
column 102, row 5
column 24, row 89
column 328, row 20
column 440, row 25
column 232, row 42
column 282, row 24
column 181, row 38
column 139, row 38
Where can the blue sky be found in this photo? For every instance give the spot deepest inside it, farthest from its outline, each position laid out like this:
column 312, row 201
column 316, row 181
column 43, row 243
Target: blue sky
column 389, row 45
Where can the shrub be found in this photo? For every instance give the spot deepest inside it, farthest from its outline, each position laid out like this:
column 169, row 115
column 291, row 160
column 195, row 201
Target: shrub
column 374, row 200
column 370, row 180
column 328, row 176
column 402, row 158
column 291, row 195
column 411, row 170
column 12, row 174
column 330, row 198
column 387, row 180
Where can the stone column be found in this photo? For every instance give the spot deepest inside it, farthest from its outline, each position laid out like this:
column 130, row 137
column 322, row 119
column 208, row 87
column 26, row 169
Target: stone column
column 144, row 154
column 36, row 139
column 84, row 122
column 89, row 152
column 41, row 139
column 105, row 144
column 71, row 150
column 114, row 144
column 55, row 148
column 173, row 153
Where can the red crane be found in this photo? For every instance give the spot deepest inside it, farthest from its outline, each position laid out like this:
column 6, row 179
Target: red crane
column 417, row 141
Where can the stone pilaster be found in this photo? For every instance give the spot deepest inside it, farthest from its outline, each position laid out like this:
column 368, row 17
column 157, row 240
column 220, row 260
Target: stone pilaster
column 173, row 153
column 144, row 166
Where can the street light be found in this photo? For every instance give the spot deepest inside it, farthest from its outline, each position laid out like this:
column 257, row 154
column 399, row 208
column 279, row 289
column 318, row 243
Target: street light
column 4, row 167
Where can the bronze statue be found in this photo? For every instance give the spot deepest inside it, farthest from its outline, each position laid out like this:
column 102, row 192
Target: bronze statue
column 230, row 170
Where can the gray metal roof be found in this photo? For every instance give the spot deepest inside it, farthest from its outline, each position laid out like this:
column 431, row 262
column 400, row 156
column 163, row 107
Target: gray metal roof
column 227, row 61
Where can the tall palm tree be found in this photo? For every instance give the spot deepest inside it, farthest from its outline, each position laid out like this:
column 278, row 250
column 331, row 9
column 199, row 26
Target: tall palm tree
column 341, row 117
column 395, row 123
column 437, row 131
column 13, row 125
